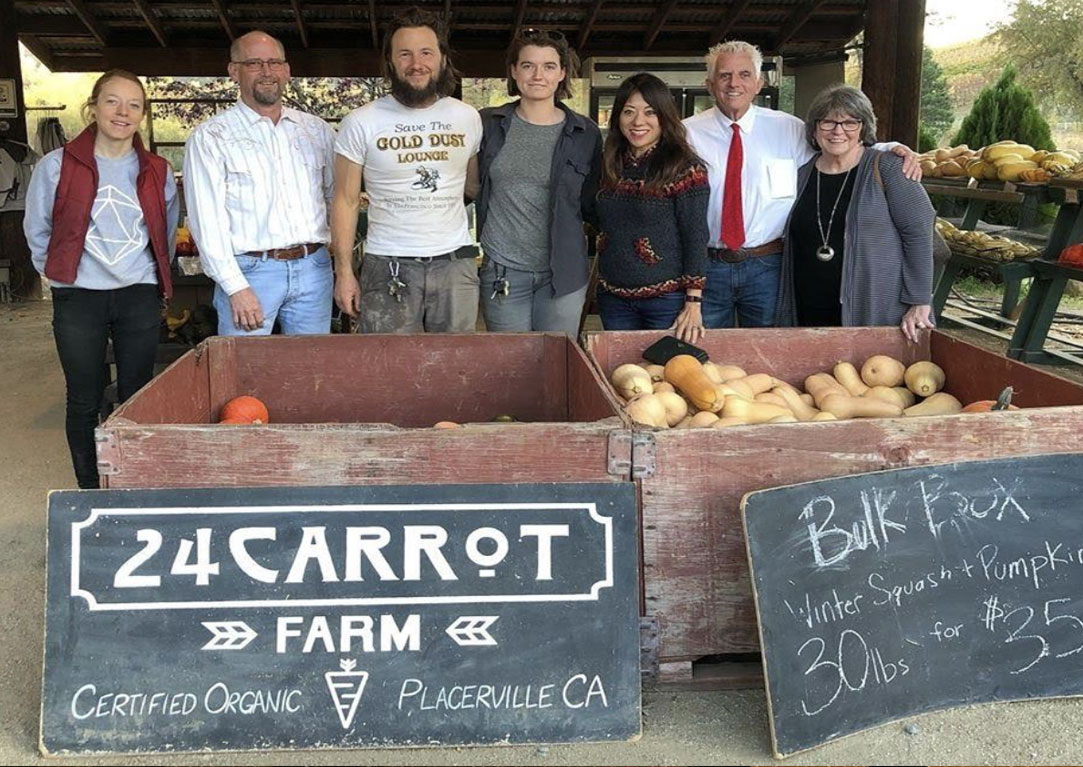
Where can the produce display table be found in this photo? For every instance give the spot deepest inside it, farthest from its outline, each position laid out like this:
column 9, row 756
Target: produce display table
column 1047, row 289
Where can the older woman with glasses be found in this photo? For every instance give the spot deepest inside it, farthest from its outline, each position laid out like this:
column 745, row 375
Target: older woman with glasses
column 859, row 242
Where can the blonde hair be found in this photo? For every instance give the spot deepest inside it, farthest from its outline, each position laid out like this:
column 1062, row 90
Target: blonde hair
column 96, row 91
column 731, row 47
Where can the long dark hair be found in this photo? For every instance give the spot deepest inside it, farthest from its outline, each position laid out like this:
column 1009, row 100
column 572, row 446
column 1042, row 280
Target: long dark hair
column 419, row 17
column 671, row 157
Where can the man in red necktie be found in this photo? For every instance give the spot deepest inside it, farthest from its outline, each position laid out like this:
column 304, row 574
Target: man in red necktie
column 752, row 155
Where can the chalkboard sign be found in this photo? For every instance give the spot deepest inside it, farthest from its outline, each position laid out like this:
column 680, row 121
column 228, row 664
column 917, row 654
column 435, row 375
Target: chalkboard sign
column 889, row 594
column 340, row 617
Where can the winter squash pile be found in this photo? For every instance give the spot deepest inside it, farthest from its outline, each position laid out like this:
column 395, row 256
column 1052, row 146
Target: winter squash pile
column 685, row 393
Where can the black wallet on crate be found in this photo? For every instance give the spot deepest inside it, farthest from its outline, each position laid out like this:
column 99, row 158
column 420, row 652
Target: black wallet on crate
column 667, row 347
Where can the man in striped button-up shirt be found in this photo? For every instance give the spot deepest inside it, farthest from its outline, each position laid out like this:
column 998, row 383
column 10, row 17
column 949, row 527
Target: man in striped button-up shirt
column 257, row 181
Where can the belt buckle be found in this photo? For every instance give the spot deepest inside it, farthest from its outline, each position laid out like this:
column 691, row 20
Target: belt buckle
column 734, row 256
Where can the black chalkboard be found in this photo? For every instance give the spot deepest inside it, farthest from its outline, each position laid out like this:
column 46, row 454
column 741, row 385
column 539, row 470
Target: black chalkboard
column 340, row 617
column 889, row 594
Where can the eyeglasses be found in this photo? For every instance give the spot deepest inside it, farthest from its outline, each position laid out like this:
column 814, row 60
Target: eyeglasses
column 532, row 33
column 256, row 65
column 847, row 125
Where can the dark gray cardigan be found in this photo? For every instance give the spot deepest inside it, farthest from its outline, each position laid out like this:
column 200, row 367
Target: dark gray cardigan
column 889, row 246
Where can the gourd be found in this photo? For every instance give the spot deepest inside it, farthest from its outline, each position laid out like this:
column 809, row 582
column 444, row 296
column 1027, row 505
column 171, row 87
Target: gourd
column 712, row 372
column 703, row 419
column 729, row 372
column 820, row 385
column 757, row 383
column 245, row 409
column 924, row 378
column 445, row 425
column 984, row 406
column 656, row 372
column 847, row 375
column 823, row 415
column 772, row 398
column 908, row 397
column 882, row 370
column 796, row 404
column 842, row 406
column 675, row 406
column 725, row 421
column 753, row 412
column 663, row 386
column 686, row 374
column 940, row 403
column 649, row 410
column 889, row 394
column 630, row 380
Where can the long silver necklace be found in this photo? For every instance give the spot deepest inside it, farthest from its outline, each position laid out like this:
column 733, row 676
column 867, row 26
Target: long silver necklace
column 825, row 252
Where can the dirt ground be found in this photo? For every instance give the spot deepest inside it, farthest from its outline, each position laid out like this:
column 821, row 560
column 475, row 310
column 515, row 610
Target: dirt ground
column 678, row 728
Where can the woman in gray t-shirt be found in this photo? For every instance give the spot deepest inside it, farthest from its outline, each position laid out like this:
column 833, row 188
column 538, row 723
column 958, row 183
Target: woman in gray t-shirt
column 539, row 167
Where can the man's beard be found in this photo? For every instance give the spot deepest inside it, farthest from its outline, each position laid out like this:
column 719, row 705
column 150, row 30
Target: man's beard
column 266, row 97
column 409, row 96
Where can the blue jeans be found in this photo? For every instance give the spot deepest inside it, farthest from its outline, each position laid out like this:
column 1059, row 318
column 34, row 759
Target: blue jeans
column 529, row 304
column 747, row 291
column 657, row 313
column 299, row 293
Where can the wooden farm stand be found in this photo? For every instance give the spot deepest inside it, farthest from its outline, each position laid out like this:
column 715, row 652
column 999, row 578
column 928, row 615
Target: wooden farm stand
column 695, row 568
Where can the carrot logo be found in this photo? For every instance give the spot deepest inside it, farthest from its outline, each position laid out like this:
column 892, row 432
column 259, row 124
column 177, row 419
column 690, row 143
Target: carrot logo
column 346, row 688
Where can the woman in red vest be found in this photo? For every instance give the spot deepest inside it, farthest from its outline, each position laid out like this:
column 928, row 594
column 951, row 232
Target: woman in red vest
column 101, row 219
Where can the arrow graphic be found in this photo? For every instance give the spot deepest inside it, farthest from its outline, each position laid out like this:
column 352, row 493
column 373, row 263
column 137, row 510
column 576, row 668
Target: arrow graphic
column 228, row 635
column 472, row 630
column 346, row 687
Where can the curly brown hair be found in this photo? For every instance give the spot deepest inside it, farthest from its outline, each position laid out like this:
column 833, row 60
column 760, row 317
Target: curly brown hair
column 419, row 17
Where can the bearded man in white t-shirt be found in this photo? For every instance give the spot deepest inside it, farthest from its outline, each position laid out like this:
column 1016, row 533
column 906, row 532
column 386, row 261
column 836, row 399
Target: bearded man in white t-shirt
column 415, row 151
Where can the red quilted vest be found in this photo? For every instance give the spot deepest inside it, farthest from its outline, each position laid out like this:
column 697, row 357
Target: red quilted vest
column 75, row 193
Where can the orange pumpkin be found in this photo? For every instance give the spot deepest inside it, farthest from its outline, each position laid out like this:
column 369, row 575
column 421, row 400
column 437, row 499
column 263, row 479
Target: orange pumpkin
column 983, row 406
column 236, row 421
column 244, row 409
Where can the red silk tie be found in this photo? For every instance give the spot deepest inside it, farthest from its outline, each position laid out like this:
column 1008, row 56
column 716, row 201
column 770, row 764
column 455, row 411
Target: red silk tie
column 733, row 216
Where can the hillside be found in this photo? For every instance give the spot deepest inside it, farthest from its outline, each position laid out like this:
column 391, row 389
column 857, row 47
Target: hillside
column 968, row 67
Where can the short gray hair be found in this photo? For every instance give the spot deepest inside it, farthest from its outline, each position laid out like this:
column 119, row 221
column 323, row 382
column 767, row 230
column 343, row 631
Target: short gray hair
column 842, row 100
column 734, row 47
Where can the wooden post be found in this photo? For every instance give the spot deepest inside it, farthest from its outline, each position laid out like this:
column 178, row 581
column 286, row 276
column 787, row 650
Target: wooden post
column 24, row 281
column 910, row 38
column 878, row 76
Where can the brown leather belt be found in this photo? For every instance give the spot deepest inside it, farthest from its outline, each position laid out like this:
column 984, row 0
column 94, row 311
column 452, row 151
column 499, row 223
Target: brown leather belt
column 287, row 254
column 743, row 254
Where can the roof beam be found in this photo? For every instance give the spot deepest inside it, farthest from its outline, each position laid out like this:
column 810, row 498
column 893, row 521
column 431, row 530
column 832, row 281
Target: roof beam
column 520, row 14
column 223, row 16
column 372, row 25
column 85, row 16
column 300, row 22
column 39, row 49
column 718, row 34
column 657, row 23
column 796, row 20
column 50, row 26
column 152, row 21
column 588, row 24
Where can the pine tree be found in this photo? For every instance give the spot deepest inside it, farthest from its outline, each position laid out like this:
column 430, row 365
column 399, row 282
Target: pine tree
column 1005, row 110
column 937, row 113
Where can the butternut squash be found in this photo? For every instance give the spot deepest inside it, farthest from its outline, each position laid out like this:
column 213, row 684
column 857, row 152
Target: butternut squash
column 753, row 412
column 819, row 385
column 757, row 382
column 663, row 386
column 712, row 372
column 686, row 374
column 924, row 378
column 630, row 380
column 796, row 404
column 823, row 415
column 807, row 399
column 648, row 410
column 847, row 375
column 740, row 388
column 772, row 398
column 908, row 397
column 657, row 372
column 844, row 406
column 783, row 419
column 685, row 422
column 882, row 370
column 886, row 394
column 703, row 419
column 676, row 407
column 729, row 372
column 722, row 423
column 940, row 403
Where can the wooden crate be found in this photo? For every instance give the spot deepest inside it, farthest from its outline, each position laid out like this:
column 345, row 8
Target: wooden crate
column 358, row 410
column 694, row 565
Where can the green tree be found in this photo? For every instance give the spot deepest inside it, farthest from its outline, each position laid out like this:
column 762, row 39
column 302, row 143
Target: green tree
column 937, row 113
column 1045, row 40
column 1002, row 111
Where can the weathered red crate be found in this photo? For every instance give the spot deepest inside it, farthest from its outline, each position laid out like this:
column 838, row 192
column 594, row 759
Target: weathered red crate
column 694, row 565
column 352, row 409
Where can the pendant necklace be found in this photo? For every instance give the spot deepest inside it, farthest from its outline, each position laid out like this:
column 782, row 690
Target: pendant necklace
column 825, row 252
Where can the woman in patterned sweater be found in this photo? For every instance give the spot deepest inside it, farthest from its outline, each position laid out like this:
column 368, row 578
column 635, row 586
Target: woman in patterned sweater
column 652, row 208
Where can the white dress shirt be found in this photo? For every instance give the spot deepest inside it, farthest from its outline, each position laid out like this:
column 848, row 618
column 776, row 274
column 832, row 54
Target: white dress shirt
column 774, row 148
column 251, row 184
